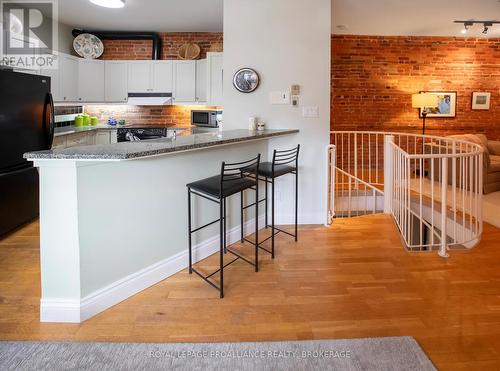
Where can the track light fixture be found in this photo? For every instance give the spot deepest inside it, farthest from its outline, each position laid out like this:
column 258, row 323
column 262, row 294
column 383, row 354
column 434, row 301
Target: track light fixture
column 469, row 24
column 466, row 27
column 486, row 25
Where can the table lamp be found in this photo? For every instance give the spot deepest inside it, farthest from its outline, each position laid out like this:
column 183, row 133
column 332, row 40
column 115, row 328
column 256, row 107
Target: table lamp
column 425, row 102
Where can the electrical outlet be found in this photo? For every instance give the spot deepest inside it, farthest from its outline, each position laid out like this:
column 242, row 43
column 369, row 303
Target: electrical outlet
column 310, row 112
column 295, row 100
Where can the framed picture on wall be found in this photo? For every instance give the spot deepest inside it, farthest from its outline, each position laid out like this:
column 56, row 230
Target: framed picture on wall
column 481, row 100
column 447, row 104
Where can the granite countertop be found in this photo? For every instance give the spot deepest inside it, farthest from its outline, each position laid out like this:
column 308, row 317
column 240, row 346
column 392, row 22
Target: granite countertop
column 67, row 130
column 155, row 147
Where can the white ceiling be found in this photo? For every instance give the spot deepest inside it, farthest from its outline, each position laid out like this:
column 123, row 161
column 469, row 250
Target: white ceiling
column 412, row 17
column 362, row 17
column 145, row 15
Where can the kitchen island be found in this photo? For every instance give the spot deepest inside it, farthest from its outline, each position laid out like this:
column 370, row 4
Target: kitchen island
column 113, row 218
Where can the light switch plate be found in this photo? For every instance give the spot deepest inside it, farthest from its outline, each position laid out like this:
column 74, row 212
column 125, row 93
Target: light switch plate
column 310, row 112
column 279, row 97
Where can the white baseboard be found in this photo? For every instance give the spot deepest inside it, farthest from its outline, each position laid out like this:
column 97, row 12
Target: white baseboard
column 75, row 311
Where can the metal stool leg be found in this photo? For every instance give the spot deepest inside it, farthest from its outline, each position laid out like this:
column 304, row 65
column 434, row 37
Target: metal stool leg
column 225, row 235
column 256, row 225
column 296, row 202
column 272, row 218
column 222, row 247
column 241, row 221
column 267, row 222
column 189, row 234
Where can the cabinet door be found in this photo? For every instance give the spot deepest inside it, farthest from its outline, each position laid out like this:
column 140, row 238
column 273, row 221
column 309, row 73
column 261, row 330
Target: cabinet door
column 116, row 84
column 90, row 80
column 215, row 78
column 59, row 142
column 139, row 77
column 162, row 76
column 185, row 81
column 103, row 137
column 201, row 80
column 76, row 140
column 55, row 87
column 69, row 78
column 91, row 138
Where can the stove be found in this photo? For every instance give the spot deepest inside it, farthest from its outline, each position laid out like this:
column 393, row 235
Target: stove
column 132, row 134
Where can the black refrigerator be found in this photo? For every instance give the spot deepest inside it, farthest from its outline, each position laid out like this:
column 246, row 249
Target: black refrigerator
column 26, row 124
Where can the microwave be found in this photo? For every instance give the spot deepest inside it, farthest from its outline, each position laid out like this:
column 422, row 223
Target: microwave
column 206, row 118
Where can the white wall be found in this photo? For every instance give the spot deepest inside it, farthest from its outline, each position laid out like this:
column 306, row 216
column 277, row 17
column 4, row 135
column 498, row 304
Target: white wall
column 287, row 42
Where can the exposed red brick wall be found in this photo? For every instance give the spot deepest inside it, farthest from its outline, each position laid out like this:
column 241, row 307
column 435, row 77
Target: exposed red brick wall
column 171, row 42
column 145, row 115
column 373, row 78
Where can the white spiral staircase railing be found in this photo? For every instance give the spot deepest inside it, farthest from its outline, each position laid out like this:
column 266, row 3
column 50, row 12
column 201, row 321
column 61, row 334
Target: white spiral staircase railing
column 432, row 186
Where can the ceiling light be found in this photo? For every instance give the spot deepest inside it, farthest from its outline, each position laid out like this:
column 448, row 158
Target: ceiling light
column 109, row 3
column 468, row 24
column 466, row 27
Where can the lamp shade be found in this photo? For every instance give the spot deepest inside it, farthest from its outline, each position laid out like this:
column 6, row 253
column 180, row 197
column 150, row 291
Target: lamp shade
column 424, row 100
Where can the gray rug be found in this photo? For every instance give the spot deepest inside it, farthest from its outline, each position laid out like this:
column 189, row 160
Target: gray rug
column 392, row 353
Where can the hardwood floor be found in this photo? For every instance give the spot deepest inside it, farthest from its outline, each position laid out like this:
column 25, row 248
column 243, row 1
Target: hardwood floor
column 352, row 280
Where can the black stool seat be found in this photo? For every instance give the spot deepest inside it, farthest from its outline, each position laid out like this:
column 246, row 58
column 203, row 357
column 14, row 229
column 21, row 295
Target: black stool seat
column 211, row 186
column 266, row 169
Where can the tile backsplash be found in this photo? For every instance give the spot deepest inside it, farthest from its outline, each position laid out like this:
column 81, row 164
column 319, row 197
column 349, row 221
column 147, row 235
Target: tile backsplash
column 145, row 115
column 64, row 115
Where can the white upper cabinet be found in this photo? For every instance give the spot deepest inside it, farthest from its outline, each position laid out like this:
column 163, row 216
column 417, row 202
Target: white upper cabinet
column 139, row 77
column 201, row 80
column 215, row 78
column 116, row 81
column 68, row 74
column 79, row 80
column 90, row 80
column 162, row 76
column 184, row 81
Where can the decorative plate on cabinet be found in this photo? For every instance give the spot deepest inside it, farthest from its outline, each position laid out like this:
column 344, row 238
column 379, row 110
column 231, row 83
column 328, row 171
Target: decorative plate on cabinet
column 246, row 80
column 88, row 46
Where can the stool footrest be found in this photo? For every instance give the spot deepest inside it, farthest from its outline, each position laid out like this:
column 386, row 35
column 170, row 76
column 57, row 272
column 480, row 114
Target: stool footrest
column 281, row 230
column 241, row 257
column 206, row 278
column 253, row 204
column 206, row 225
column 260, row 243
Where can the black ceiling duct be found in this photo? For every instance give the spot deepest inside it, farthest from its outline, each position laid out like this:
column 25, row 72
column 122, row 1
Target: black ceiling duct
column 127, row 35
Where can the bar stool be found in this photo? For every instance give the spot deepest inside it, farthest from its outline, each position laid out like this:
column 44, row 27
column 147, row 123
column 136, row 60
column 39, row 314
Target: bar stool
column 233, row 179
column 284, row 162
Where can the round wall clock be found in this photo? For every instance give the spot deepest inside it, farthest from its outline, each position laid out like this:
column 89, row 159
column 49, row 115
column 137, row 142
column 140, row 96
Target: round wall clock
column 246, row 80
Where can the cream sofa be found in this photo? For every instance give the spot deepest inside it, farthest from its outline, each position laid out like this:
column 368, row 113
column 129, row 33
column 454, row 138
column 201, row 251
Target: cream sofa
column 491, row 160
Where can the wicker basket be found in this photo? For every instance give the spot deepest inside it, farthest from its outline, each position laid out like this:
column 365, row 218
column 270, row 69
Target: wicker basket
column 189, row 51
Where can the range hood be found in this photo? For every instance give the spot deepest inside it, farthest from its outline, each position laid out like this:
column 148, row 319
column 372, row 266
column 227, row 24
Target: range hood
column 149, row 99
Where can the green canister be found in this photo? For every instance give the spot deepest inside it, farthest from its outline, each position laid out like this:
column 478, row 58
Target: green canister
column 79, row 120
column 86, row 119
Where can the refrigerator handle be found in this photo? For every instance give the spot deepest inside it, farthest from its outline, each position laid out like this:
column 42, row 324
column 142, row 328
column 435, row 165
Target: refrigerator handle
column 49, row 116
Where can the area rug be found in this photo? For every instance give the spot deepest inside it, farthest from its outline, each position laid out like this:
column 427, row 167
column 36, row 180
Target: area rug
column 391, row 353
